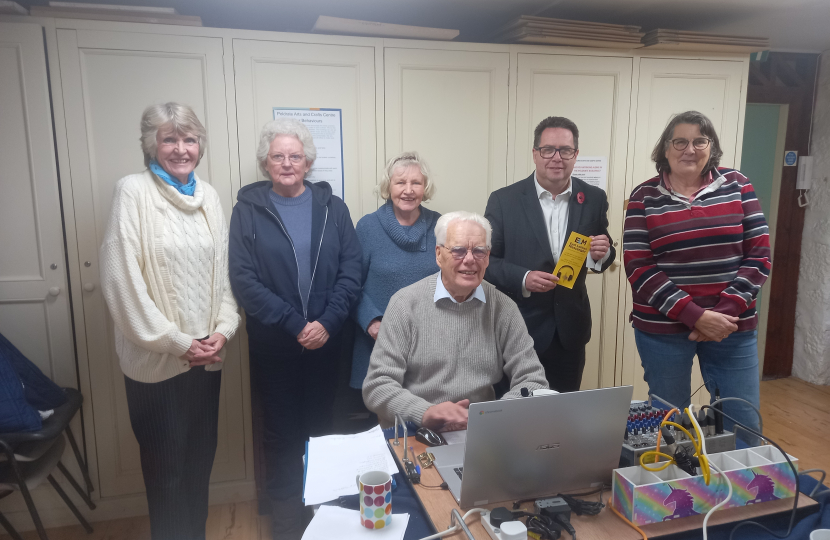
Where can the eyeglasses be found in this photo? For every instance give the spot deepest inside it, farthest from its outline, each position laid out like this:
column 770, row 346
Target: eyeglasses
column 547, row 152
column 279, row 158
column 700, row 143
column 459, row 252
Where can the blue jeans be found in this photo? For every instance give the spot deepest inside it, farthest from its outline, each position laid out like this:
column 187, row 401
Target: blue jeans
column 730, row 366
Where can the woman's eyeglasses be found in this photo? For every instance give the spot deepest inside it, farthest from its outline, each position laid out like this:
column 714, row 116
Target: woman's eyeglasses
column 700, row 143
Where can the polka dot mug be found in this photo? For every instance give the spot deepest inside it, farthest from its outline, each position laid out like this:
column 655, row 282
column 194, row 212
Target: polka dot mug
column 375, row 499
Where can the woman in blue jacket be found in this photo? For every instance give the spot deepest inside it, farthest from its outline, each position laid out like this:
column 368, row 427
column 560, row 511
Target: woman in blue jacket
column 295, row 267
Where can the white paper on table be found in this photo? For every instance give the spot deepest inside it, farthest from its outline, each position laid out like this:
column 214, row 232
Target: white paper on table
column 455, row 437
column 335, row 522
column 335, row 460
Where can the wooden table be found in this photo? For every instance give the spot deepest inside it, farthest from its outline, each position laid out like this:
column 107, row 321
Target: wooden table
column 439, row 504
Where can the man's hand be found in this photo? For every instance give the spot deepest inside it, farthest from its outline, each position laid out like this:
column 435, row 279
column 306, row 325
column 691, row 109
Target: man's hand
column 200, row 354
column 716, row 326
column 447, row 416
column 537, row 281
column 373, row 329
column 313, row 336
column 599, row 246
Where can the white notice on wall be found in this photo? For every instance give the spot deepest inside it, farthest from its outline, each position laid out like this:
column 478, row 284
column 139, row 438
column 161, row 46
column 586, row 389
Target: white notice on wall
column 592, row 170
column 326, row 127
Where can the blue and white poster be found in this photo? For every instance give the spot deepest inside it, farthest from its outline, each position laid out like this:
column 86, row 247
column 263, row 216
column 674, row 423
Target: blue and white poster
column 326, row 127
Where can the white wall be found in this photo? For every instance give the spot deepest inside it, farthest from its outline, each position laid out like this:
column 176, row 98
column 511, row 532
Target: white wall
column 811, row 354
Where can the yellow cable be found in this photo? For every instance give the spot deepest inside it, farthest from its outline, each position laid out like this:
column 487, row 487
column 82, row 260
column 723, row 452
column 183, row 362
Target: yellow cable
column 704, row 461
column 656, row 454
column 622, row 517
column 684, row 430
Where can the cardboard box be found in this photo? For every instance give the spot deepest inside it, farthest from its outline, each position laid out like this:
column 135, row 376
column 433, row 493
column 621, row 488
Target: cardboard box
column 758, row 474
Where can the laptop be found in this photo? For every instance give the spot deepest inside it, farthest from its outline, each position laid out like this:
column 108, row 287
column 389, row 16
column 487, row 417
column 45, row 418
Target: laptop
column 536, row 446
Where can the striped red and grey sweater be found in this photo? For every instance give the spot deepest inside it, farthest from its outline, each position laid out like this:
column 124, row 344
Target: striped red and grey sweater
column 683, row 257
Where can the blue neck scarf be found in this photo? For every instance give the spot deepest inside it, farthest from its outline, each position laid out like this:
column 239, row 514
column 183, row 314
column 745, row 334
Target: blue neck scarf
column 184, row 189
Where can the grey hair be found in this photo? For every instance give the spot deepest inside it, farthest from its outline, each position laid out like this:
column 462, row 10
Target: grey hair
column 180, row 118
column 284, row 126
column 444, row 221
column 707, row 129
column 405, row 160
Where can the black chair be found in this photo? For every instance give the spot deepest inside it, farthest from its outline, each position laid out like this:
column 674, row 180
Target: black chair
column 31, row 457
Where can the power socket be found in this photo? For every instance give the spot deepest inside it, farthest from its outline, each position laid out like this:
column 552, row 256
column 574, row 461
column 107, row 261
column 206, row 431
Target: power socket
column 509, row 530
column 551, row 506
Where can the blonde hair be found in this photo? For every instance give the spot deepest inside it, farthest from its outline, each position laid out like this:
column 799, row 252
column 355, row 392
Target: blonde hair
column 180, row 118
column 404, row 160
column 284, row 126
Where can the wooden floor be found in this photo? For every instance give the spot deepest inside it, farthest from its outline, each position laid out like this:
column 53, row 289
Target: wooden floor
column 796, row 416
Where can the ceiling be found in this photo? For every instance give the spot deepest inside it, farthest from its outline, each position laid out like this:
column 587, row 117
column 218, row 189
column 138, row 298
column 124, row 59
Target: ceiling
column 791, row 25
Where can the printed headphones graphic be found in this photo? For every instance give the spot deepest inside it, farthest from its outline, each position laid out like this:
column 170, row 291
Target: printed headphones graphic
column 566, row 273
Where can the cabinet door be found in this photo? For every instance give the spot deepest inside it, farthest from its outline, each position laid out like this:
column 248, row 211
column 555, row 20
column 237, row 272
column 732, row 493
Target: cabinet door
column 451, row 107
column 108, row 79
column 34, row 295
column 668, row 87
column 595, row 93
column 303, row 75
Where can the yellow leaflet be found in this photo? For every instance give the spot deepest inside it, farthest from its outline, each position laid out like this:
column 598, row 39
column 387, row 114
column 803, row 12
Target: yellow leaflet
column 572, row 260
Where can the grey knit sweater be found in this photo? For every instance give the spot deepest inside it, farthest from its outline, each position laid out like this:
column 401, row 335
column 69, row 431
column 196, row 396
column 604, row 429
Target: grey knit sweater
column 429, row 352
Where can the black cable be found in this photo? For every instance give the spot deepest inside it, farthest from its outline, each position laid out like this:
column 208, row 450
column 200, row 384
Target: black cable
column 442, row 485
column 580, row 507
column 795, row 475
column 565, row 521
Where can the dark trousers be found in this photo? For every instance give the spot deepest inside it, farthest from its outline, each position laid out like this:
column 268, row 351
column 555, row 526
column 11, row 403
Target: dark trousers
column 297, row 388
column 175, row 422
column 563, row 368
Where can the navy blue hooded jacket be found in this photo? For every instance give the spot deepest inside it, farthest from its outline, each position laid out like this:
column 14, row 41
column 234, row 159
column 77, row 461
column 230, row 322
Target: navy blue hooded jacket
column 263, row 266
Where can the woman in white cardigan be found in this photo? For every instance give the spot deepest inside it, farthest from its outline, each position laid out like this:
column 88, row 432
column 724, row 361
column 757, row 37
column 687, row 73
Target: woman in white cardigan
column 164, row 274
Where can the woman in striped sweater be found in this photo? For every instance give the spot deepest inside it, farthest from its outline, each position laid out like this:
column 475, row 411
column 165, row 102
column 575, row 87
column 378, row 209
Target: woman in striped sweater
column 696, row 251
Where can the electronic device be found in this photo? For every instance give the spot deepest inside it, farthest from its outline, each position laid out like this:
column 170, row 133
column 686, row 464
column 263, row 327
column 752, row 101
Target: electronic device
column 641, row 433
column 503, row 530
column 537, row 446
column 429, row 437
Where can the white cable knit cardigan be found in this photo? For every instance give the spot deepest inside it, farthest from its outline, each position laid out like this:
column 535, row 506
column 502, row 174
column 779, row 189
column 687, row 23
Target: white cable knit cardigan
column 136, row 281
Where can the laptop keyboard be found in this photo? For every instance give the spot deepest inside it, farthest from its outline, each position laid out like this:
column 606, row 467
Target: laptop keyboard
column 459, row 471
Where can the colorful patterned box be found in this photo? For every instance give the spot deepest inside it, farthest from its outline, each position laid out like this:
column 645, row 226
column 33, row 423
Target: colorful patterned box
column 758, row 474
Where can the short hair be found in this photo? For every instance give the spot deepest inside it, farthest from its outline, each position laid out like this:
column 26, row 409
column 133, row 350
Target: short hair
column 405, row 160
column 444, row 221
column 555, row 122
column 284, row 126
column 180, row 118
column 707, row 129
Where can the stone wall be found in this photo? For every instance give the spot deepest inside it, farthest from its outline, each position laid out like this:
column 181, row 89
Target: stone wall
column 811, row 354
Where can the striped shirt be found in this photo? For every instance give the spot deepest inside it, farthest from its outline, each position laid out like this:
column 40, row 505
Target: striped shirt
column 683, row 257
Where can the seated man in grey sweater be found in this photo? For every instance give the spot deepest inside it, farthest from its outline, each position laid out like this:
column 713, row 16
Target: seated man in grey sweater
column 447, row 339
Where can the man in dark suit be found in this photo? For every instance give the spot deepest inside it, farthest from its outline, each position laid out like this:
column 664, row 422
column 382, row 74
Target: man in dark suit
column 532, row 220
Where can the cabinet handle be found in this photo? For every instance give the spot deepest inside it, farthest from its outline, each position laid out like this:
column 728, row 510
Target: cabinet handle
column 89, row 287
column 54, row 291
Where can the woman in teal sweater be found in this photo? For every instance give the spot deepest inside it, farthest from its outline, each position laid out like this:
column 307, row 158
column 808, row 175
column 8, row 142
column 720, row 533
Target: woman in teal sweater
column 398, row 249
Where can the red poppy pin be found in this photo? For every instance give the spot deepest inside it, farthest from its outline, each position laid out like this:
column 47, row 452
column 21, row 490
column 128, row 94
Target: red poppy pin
column 580, row 197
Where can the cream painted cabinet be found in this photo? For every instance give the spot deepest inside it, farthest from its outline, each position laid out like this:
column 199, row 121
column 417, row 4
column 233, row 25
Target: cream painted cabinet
column 34, row 295
column 108, row 78
column 451, row 107
column 594, row 92
column 668, row 86
column 306, row 75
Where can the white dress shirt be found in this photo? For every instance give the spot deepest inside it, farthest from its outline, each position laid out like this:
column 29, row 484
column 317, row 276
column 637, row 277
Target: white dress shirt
column 442, row 292
column 555, row 210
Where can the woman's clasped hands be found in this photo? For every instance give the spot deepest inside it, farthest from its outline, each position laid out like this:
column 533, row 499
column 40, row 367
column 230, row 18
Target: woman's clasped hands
column 205, row 351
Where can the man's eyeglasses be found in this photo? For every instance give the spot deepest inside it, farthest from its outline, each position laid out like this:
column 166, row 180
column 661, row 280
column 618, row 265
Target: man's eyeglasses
column 547, row 152
column 700, row 143
column 279, row 158
column 459, row 252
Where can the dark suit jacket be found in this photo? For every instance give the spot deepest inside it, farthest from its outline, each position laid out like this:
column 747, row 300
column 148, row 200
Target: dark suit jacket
column 520, row 244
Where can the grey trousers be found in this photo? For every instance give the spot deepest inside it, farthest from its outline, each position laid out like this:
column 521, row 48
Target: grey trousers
column 175, row 422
